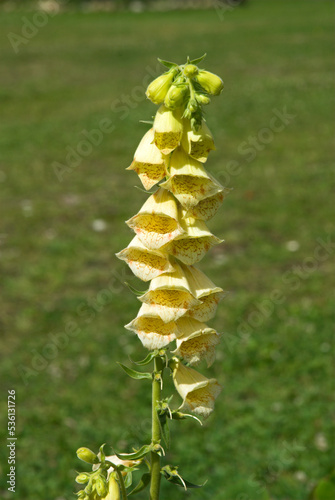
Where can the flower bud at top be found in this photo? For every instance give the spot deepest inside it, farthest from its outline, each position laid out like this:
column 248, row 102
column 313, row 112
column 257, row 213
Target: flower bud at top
column 157, row 89
column 210, row 82
column 202, row 99
column 190, row 70
column 87, row 455
column 192, row 105
column 101, row 486
column 175, row 96
column 82, row 478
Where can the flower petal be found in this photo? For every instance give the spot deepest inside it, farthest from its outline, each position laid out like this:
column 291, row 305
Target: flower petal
column 207, row 208
column 167, row 129
column 197, row 144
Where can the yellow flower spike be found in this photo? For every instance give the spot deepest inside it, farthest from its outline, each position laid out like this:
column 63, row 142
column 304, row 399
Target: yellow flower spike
column 205, row 291
column 210, row 82
column 189, row 182
column 159, row 87
column 198, row 392
column 170, row 295
column 197, row 144
column 145, row 264
column 151, row 329
column 207, row 208
column 168, row 128
column 196, row 341
column 191, row 246
column 156, row 224
column 148, row 161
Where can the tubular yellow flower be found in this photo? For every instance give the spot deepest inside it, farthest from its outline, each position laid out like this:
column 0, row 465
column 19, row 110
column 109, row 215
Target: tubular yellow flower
column 205, row 291
column 158, row 88
column 198, row 392
column 210, row 82
column 189, row 181
column 148, row 161
column 193, row 244
column 207, row 208
column 113, row 490
column 167, row 129
column 197, row 144
column 196, row 341
column 145, row 264
column 170, row 295
column 151, row 329
column 157, row 222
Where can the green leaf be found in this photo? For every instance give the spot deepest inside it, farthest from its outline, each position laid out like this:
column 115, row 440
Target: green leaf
column 128, row 480
column 146, row 360
column 165, row 430
column 168, row 64
column 134, row 374
column 197, row 61
column 172, row 475
column 143, row 483
column 137, row 454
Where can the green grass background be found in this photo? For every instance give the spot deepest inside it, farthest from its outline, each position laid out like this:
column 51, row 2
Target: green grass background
column 272, row 427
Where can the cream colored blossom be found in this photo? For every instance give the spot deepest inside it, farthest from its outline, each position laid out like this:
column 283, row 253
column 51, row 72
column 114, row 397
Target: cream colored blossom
column 170, row 295
column 197, row 144
column 157, row 222
column 207, row 208
column 205, row 291
column 151, row 329
column 148, row 161
column 196, row 341
column 145, row 264
column 189, row 181
column 117, row 461
column 198, row 392
column 193, row 244
column 167, row 129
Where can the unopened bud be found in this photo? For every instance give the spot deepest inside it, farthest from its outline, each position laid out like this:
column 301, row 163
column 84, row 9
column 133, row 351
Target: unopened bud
column 202, row 99
column 210, row 82
column 82, row 478
column 175, row 96
column 192, row 105
column 87, row 455
column 101, row 486
column 158, row 89
column 190, row 70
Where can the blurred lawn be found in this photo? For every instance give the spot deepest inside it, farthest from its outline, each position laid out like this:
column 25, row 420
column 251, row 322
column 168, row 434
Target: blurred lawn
column 272, row 426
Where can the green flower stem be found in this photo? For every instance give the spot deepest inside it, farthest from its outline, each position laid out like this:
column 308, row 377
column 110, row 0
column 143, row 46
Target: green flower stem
column 122, row 485
column 156, row 431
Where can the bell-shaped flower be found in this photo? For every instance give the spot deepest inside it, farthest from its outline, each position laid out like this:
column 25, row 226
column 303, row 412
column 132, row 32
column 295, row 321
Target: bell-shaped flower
column 193, row 244
column 157, row 222
column 170, row 295
column 168, row 128
column 207, row 208
column 205, row 291
column 198, row 392
column 189, row 181
column 197, row 144
column 159, row 87
column 145, row 264
column 151, row 329
column 148, row 161
column 196, row 341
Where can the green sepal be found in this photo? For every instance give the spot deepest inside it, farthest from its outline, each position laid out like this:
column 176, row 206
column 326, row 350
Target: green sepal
column 168, row 64
column 171, row 474
column 102, row 453
column 147, row 122
column 177, row 415
column 134, row 374
column 132, row 289
column 146, row 360
column 128, row 480
column 197, row 61
column 143, row 483
column 165, row 430
column 136, row 454
column 143, row 191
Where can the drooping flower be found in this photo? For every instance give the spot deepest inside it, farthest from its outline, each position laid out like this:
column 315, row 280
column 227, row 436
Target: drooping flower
column 168, row 128
column 210, row 82
column 159, row 87
column 196, row 341
column 148, row 161
column 193, row 244
column 207, row 208
column 197, row 144
column 205, row 291
column 189, row 181
column 145, row 264
column 151, row 329
column 198, row 392
column 170, row 295
column 157, row 222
